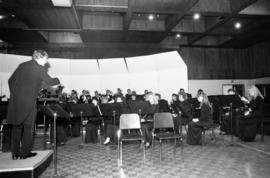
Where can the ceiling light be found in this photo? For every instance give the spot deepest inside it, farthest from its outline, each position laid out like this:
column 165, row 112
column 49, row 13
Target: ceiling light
column 2, row 17
column 178, row 35
column 196, row 16
column 12, row 15
column 62, row 3
column 151, row 17
column 237, row 25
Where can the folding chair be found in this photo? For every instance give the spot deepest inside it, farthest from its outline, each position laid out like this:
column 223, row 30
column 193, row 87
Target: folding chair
column 129, row 122
column 164, row 121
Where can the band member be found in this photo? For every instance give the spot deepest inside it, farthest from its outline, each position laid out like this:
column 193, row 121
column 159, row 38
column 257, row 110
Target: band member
column 109, row 125
column 24, row 85
column 195, row 127
column 148, row 126
column 247, row 124
column 93, row 123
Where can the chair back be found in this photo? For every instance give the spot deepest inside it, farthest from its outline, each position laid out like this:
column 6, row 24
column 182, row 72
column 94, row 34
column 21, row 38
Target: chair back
column 129, row 121
column 163, row 120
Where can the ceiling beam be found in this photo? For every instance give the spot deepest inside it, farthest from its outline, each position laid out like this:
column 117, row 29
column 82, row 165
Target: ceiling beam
column 57, row 46
column 254, row 27
column 128, row 16
column 76, row 15
column 173, row 20
column 240, row 5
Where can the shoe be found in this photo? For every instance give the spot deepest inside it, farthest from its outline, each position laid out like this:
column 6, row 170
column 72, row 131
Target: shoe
column 31, row 154
column 15, row 156
column 107, row 141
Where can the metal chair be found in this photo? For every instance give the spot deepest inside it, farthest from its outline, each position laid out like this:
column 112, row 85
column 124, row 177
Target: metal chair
column 212, row 126
column 129, row 122
column 164, row 121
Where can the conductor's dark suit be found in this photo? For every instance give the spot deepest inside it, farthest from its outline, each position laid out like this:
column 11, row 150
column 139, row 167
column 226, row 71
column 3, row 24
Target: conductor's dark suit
column 24, row 85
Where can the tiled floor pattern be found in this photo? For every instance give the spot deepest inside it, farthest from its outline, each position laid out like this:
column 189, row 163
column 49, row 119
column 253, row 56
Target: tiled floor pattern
column 214, row 160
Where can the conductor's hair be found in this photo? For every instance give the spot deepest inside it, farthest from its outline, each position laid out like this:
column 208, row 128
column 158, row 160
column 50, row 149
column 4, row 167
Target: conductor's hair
column 39, row 54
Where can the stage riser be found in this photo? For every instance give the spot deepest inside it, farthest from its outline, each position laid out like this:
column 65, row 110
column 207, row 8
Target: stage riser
column 34, row 173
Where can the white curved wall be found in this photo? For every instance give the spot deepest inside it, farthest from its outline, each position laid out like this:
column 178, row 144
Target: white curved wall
column 163, row 73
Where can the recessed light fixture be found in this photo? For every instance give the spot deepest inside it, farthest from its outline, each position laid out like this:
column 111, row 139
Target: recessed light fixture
column 2, row 17
column 12, row 15
column 237, row 25
column 151, row 17
column 178, row 35
column 196, row 16
column 62, row 3
column 139, row 15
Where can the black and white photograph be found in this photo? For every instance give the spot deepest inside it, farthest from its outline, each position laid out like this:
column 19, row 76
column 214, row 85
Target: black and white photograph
column 135, row 88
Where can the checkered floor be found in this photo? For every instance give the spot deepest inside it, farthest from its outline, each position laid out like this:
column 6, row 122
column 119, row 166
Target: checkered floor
column 213, row 160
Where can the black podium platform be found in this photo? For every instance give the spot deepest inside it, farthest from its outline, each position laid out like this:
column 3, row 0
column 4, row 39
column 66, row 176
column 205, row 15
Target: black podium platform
column 25, row 168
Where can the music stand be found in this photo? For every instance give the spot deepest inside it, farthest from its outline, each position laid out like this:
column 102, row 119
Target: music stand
column 143, row 108
column 231, row 101
column 81, row 111
column 54, row 111
column 44, row 102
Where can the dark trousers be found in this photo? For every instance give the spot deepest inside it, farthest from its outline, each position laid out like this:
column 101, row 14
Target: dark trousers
column 147, row 131
column 23, row 134
column 246, row 127
column 194, row 135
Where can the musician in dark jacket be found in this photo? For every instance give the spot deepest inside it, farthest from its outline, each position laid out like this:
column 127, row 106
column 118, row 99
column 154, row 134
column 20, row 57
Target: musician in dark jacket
column 195, row 127
column 24, row 85
column 247, row 125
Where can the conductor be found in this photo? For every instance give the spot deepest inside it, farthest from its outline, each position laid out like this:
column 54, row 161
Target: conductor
column 24, row 85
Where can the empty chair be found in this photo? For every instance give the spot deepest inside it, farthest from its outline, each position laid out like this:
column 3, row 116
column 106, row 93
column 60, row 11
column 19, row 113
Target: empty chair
column 163, row 129
column 129, row 122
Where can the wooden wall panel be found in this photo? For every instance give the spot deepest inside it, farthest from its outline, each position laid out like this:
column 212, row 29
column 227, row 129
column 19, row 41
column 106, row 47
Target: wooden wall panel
column 261, row 59
column 207, row 63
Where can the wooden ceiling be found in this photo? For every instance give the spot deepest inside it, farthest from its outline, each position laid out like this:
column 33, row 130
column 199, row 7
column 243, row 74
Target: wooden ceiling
column 88, row 25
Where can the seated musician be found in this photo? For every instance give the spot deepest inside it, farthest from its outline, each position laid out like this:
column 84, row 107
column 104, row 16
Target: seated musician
column 200, row 91
column 148, row 126
column 146, row 92
column 182, row 92
column 195, row 127
column 97, row 95
column 85, row 97
column 119, row 93
column 62, row 128
column 129, row 93
column 133, row 97
column 109, row 96
column 74, row 97
column 185, row 109
column 109, row 128
column 181, row 107
column 247, row 124
column 175, row 102
column 93, row 123
column 225, row 127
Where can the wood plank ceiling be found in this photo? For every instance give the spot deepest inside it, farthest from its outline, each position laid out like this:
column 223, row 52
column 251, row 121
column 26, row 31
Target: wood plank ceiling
column 125, row 24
